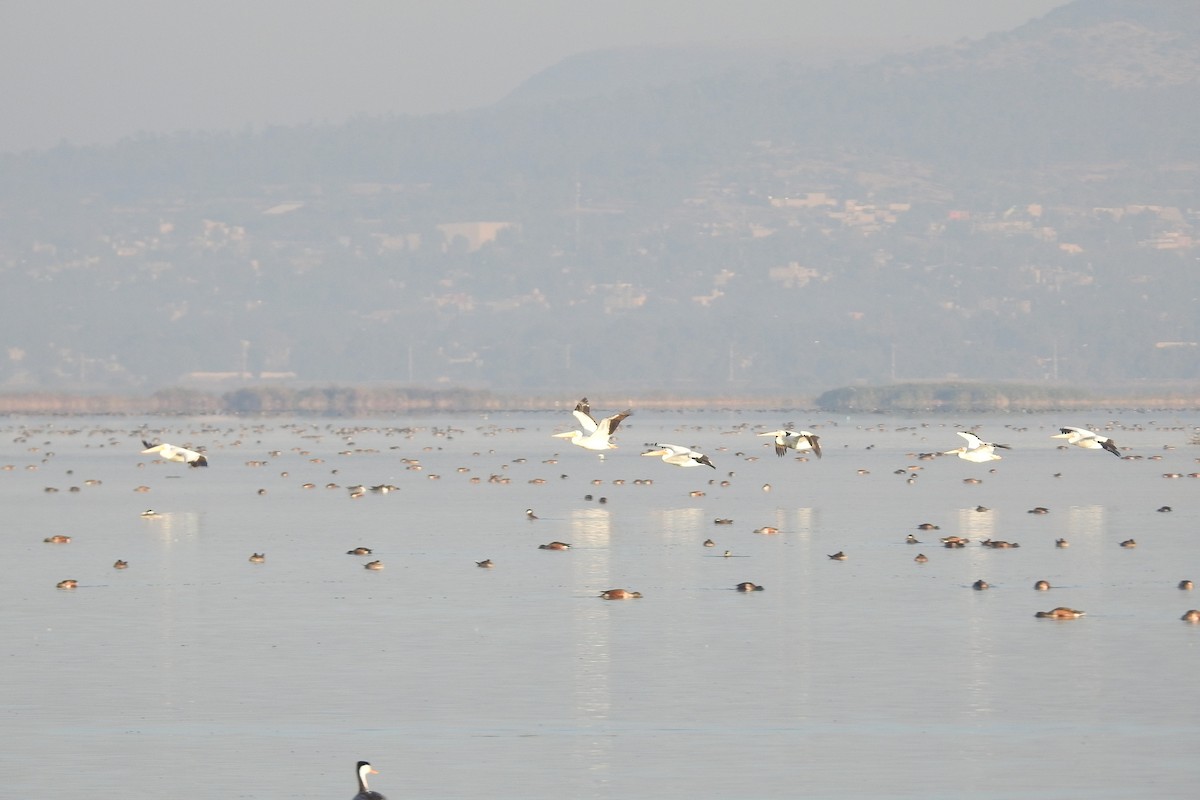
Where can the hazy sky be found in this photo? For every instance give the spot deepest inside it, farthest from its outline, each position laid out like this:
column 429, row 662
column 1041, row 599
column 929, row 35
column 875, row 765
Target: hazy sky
column 94, row 71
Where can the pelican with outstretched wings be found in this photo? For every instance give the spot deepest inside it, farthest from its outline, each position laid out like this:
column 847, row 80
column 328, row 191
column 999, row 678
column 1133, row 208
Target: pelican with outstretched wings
column 170, row 452
column 680, row 456
column 800, row 441
column 977, row 449
column 595, row 435
column 1082, row 437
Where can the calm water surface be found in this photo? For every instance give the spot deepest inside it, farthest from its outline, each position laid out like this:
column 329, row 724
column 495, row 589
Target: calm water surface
column 199, row 674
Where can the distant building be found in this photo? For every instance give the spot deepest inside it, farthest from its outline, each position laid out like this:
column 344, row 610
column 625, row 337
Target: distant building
column 475, row 234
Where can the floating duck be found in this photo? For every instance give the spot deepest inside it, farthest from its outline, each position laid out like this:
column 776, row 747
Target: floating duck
column 619, row 594
column 1062, row 612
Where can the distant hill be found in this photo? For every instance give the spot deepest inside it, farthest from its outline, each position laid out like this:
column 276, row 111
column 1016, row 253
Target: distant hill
column 1021, row 208
column 620, row 70
column 1117, row 44
column 1095, row 80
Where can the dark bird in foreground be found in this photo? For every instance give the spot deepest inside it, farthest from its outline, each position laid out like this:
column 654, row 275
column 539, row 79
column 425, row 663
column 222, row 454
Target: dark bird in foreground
column 364, row 792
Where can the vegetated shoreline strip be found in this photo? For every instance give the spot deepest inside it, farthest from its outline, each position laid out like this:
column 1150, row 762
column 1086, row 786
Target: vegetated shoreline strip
column 912, row 398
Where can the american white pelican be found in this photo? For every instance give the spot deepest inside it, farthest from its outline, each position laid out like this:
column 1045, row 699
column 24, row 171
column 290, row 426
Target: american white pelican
column 595, row 435
column 170, row 452
column 976, row 450
column 364, row 769
column 796, row 440
column 1081, row 437
column 680, row 456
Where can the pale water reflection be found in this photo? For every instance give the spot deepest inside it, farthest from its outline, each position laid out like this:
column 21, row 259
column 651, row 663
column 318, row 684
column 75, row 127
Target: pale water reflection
column 197, row 673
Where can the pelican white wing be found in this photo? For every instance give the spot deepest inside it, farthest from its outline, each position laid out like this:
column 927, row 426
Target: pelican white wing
column 170, row 452
column 680, row 456
column 1090, row 440
column 799, row 441
column 976, row 449
column 595, row 435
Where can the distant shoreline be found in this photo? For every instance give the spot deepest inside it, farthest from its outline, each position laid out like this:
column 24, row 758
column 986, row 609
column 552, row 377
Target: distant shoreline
column 347, row 401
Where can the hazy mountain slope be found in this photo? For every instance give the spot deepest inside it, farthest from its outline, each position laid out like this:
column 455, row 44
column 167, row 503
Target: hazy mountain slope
column 1014, row 208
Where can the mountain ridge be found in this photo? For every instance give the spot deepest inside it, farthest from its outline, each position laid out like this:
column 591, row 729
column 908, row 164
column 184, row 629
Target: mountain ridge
column 987, row 211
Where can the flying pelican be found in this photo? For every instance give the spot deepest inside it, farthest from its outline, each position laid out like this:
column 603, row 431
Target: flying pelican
column 796, row 440
column 1081, row 437
column 680, row 456
column 597, row 433
column 170, row 452
column 364, row 769
column 976, row 450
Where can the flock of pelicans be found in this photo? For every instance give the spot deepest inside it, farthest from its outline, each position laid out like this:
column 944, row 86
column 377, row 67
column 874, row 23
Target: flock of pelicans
column 596, row 435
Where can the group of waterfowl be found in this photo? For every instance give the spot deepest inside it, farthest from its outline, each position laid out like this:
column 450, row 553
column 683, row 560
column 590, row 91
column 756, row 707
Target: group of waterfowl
column 955, row 542
column 597, row 435
column 979, row 451
column 597, row 438
column 975, row 450
column 72, row 583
